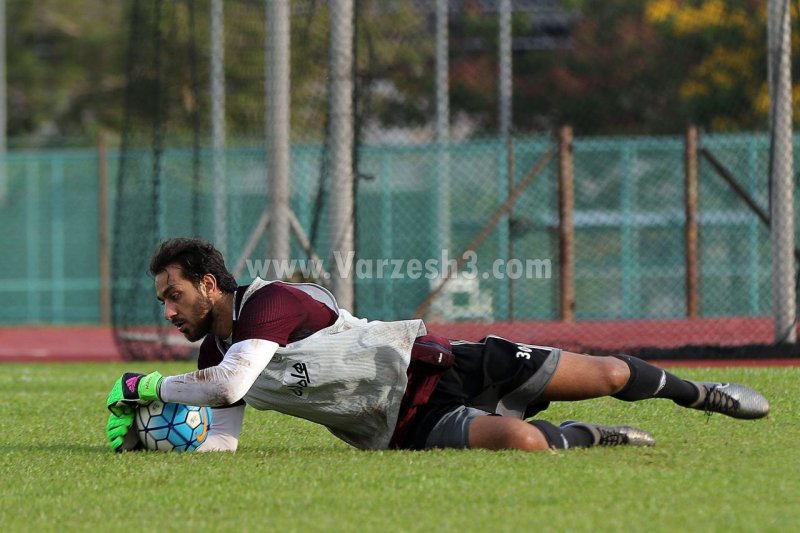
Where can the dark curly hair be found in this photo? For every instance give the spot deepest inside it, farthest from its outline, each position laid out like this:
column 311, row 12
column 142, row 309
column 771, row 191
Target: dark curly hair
column 196, row 258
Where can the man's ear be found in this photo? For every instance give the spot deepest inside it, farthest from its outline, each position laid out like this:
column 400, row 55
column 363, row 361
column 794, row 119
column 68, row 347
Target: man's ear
column 208, row 284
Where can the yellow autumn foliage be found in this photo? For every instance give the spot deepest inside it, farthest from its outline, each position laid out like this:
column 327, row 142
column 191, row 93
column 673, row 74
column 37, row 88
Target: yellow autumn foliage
column 686, row 18
column 742, row 64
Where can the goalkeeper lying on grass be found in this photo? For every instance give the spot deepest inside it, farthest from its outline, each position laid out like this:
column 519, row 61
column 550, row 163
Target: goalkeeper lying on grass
column 376, row 385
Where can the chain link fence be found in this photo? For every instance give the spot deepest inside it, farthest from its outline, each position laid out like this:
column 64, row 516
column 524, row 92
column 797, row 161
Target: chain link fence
column 647, row 231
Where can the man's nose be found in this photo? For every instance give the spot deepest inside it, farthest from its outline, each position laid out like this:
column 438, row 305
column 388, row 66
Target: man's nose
column 169, row 312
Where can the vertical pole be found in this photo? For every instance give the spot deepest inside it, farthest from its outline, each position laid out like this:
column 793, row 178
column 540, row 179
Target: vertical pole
column 3, row 108
column 341, row 138
column 511, row 164
column 754, row 150
column 631, row 271
column 217, row 17
column 277, row 127
column 33, row 232
column 102, row 226
column 387, row 243
column 443, row 124
column 160, row 190
column 566, row 201
column 57, row 239
column 505, row 70
column 690, row 192
column 500, row 311
column 781, row 172
column 504, row 121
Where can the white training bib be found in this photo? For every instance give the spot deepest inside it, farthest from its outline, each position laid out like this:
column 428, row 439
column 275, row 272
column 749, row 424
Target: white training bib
column 349, row 377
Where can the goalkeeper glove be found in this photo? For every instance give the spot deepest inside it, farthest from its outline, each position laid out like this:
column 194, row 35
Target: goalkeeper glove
column 120, row 432
column 133, row 390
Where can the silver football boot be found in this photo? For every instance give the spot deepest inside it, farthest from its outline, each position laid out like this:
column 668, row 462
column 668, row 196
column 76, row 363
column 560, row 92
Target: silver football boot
column 730, row 399
column 614, row 435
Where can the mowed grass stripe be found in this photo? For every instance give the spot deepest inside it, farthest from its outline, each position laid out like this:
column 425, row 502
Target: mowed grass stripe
column 291, row 475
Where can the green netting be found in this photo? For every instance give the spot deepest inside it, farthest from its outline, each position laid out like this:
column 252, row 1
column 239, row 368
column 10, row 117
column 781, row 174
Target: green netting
column 628, row 226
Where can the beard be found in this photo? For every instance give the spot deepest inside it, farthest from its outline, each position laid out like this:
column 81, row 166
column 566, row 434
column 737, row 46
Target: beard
column 203, row 309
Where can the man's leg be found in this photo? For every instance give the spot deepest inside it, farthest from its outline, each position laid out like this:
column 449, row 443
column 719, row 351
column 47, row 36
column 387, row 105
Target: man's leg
column 580, row 377
column 459, row 426
column 506, row 433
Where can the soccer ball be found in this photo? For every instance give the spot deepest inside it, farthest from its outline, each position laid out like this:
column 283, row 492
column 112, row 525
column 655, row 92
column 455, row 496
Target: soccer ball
column 172, row 426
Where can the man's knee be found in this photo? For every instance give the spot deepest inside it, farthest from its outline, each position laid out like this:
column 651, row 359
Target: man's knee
column 617, row 373
column 609, row 375
column 527, row 439
column 503, row 433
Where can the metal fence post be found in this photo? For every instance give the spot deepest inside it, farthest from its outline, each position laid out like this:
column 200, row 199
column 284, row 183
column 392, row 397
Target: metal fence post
column 387, row 194
column 103, row 230
column 503, row 231
column 217, row 88
column 781, row 171
column 341, row 162
column 630, row 266
column 3, row 108
column 753, row 228
column 57, row 238
column 442, row 126
column 691, row 233
column 566, row 203
column 511, row 171
column 277, row 128
column 32, row 232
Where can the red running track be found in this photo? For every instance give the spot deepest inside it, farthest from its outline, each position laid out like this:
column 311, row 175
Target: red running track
column 96, row 344
column 62, row 344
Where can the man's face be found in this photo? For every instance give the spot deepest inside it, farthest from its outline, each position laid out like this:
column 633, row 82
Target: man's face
column 186, row 305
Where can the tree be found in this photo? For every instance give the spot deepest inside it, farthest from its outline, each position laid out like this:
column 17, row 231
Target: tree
column 628, row 68
column 725, row 42
column 64, row 67
column 622, row 67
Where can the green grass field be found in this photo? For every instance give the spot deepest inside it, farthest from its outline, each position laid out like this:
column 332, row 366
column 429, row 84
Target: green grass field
column 290, row 475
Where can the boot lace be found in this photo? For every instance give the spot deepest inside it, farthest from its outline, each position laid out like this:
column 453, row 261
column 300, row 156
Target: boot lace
column 611, row 437
column 718, row 401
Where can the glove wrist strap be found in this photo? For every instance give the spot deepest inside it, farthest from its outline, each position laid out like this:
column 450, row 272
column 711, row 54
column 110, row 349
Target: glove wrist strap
column 150, row 387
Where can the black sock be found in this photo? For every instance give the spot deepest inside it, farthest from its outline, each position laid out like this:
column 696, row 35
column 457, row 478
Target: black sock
column 649, row 381
column 563, row 438
column 578, row 437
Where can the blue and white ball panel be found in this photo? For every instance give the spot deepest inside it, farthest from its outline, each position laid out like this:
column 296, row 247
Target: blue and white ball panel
column 172, row 426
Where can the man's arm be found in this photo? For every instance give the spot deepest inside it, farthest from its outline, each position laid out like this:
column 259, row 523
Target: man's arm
column 225, row 383
column 226, row 424
column 270, row 318
column 218, row 386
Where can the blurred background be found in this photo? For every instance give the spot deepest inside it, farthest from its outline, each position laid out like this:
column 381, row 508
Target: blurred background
column 642, row 151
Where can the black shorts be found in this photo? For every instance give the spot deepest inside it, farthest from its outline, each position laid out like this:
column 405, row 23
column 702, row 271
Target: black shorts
column 494, row 375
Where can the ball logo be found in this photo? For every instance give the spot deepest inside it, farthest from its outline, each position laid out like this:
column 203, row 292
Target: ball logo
column 193, row 419
column 202, row 436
